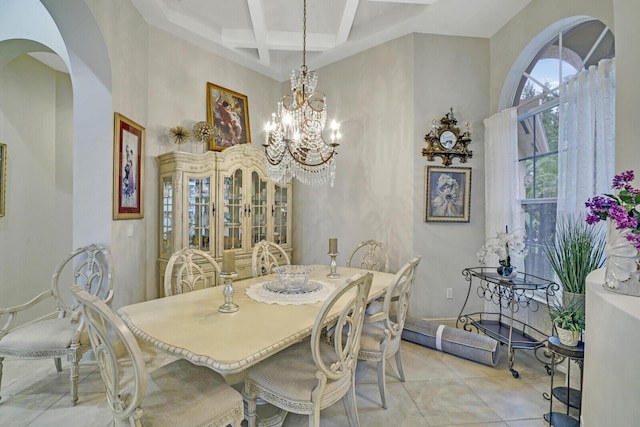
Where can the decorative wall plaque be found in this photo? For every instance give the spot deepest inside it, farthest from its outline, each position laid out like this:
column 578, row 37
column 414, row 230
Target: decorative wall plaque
column 447, row 141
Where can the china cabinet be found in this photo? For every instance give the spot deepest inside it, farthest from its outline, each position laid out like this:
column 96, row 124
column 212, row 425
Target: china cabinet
column 218, row 201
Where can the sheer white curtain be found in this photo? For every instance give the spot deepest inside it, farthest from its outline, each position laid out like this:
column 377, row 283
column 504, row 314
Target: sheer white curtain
column 501, row 177
column 586, row 151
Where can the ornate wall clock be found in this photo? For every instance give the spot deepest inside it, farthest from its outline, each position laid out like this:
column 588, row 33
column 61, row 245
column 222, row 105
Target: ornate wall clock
column 447, row 141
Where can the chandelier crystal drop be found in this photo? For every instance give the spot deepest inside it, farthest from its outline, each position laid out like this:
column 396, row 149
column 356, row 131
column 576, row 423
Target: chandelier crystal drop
column 294, row 142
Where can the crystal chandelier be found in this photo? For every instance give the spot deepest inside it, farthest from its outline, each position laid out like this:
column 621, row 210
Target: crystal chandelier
column 294, row 145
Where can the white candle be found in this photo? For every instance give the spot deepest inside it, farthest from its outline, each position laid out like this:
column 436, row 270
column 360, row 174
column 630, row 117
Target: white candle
column 333, row 246
column 228, row 262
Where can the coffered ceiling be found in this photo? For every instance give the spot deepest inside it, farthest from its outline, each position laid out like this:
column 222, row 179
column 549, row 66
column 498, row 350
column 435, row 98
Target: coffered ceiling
column 266, row 35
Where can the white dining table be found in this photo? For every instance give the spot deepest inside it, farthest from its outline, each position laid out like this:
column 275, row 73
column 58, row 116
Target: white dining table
column 191, row 327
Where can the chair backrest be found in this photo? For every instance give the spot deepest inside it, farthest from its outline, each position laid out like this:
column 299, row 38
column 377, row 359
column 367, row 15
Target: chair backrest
column 266, row 255
column 396, row 299
column 348, row 328
column 89, row 267
column 189, row 269
column 105, row 328
column 369, row 255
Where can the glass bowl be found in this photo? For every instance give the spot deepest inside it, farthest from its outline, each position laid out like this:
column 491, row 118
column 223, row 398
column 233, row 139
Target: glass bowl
column 293, row 277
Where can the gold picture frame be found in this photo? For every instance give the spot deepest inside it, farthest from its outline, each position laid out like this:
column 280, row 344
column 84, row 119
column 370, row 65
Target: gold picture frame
column 228, row 114
column 448, row 194
column 3, row 177
column 128, row 168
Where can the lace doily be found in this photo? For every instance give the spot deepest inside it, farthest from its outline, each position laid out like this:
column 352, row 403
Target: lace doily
column 261, row 292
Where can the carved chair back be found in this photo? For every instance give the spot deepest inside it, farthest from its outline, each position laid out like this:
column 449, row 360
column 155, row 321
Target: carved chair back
column 369, row 255
column 267, row 255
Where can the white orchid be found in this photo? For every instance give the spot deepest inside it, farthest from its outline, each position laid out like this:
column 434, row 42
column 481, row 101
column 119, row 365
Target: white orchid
column 504, row 245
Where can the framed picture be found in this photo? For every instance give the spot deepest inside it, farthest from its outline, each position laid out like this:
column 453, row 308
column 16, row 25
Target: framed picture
column 228, row 114
column 3, row 177
column 128, row 169
column 448, row 194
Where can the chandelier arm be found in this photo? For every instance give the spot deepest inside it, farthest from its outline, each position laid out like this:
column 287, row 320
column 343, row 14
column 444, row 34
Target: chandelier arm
column 294, row 157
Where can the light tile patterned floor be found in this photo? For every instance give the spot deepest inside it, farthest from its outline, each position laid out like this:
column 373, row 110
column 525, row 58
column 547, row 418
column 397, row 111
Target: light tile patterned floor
column 441, row 390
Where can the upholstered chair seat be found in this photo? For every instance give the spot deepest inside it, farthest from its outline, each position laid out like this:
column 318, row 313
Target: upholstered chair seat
column 314, row 374
column 42, row 338
column 384, row 322
column 60, row 333
column 298, row 388
column 176, row 394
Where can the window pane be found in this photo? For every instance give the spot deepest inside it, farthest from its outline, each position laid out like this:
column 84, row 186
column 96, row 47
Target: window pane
column 540, row 224
column 537, row 151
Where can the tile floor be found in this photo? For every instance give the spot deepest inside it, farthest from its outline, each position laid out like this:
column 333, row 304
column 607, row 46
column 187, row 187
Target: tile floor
column 440, row 390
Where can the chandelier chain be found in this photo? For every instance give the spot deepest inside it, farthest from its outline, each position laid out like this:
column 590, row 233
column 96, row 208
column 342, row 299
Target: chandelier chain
column 304, row 36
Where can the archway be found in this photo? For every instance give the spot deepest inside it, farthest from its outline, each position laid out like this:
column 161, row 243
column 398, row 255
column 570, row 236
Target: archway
column 68, row 30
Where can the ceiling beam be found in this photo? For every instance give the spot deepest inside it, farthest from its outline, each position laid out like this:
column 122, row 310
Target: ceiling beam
column 348, row 15
column 278, row 40
column 256, row 11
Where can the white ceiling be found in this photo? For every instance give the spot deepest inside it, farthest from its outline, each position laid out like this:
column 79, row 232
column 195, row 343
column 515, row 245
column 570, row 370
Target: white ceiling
column 266, row 35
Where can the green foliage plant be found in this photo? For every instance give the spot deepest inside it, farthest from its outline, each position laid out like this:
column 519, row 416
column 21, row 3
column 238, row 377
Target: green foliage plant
column 575, row 251
column 569, row 317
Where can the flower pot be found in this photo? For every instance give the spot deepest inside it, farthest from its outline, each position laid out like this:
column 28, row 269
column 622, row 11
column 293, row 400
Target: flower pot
column 568, row 337
column 507, row 271
column 622, row 274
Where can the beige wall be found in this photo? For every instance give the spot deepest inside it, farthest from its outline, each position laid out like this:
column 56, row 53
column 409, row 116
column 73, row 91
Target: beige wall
column 627, row 66
column 371, row 95
column 449, row 72
column 36, row 125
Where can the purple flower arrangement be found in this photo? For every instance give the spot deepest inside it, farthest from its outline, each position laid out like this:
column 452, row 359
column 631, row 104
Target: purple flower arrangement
column 623, row 208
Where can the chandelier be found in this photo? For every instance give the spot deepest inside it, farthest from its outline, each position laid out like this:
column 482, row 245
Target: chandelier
column 294, row 144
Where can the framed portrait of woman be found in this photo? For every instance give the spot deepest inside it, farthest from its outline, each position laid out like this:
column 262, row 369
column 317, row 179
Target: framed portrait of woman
column 228, row 114
column 448, row 194
column 128, row 168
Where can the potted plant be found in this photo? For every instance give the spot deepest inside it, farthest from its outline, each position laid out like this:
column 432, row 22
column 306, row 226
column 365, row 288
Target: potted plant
column 569, row 322
column 575, row 251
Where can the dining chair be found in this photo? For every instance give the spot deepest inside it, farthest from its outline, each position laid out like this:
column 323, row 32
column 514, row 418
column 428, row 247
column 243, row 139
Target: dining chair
column 176, row 394
column 267, row 255
column 61, row 332
column 313, row 374
column 189, row 269
column 369, row 255
column 383, row 324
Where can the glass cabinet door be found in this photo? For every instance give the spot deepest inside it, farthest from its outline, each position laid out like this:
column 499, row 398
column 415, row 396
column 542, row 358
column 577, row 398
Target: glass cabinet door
column 233, row 210
column 166, row 245
column 279, row 211
column 199, row 209
column 258, row 208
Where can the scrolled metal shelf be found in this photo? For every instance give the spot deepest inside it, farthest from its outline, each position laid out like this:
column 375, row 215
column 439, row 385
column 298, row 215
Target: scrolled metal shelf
column 509, row 296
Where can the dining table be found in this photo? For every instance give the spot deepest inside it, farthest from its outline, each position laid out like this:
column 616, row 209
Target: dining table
column 190, row 326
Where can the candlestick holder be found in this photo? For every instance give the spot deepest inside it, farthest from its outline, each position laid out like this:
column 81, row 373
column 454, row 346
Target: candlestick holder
column 229, row 306
column 333, row 265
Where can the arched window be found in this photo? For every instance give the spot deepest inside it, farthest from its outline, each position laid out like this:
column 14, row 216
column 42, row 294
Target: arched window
column 537, row 98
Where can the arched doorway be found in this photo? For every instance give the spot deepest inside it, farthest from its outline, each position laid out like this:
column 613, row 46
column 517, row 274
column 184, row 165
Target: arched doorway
column 69, row 167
